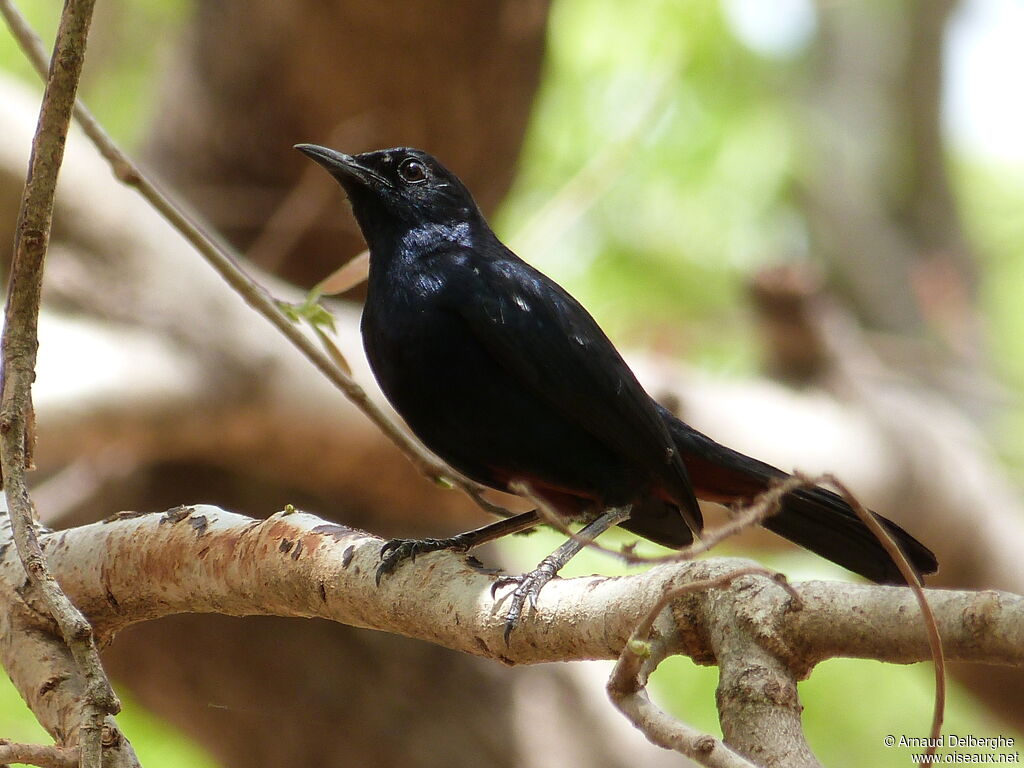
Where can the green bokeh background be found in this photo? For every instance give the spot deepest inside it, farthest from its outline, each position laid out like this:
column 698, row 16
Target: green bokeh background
column 157, row 744
column 670, row 152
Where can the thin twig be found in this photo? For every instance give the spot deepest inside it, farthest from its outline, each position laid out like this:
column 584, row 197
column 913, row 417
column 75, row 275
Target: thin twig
column 643, row 629
column 38, row 754
column 627, row 685
column 913, row 580
column 225, row 264
column 19, row 345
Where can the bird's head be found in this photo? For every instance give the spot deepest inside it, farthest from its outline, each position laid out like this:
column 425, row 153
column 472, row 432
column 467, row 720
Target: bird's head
column 394, row 190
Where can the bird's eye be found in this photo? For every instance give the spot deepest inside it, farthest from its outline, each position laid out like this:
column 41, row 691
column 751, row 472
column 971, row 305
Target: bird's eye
column 412, row 171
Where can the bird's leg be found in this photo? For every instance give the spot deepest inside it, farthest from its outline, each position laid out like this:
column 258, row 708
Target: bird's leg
column 395, row 551
column 529, row 585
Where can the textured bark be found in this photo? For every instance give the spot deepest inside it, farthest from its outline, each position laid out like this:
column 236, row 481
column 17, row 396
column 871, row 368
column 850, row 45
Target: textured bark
column 204, row 559
column 757, row 697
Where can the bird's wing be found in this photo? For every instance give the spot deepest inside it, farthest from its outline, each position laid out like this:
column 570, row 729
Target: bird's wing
column 546, row 339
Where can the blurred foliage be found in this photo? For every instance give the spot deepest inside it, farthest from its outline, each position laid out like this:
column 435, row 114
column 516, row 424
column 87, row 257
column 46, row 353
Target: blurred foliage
column 851, row 705
column 685, row 140
column 155, row 742
column 128, row 42
column 991, row 199
column 682, row 151
column 657, row 174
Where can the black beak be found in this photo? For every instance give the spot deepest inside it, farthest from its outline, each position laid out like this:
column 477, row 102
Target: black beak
column 341, row 166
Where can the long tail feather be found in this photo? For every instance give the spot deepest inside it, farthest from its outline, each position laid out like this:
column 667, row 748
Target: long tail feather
column 814, row 518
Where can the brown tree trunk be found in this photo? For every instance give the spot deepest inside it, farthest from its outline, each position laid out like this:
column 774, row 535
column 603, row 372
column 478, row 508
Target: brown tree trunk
column 881, row 210
column 454, row 77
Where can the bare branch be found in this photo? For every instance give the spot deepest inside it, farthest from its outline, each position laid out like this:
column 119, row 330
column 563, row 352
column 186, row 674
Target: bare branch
column 627, row 686
column 667, row 732
column 19, row 346
column 758, row 704
column 982, row 627
column 35, row 754
column 204, row 559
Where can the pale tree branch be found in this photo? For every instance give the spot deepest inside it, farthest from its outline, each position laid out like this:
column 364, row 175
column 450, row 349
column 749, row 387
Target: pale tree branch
column 627, row 685
column 204, row 559
column 758, row 705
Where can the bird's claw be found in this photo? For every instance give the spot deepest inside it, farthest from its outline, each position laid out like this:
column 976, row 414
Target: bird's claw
column 393, row 553
column 503, row 581
column 528, row 587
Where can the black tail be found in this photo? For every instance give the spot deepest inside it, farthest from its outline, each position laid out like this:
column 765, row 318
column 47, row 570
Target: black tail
column 824, row 523
column 660, row 521
column 814, row 518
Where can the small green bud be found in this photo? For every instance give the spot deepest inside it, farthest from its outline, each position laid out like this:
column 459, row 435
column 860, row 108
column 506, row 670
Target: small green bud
column 640, row 648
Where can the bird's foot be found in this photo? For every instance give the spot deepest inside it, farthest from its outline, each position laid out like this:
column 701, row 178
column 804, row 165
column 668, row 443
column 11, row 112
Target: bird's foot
column 528, row 587
column 396, row 551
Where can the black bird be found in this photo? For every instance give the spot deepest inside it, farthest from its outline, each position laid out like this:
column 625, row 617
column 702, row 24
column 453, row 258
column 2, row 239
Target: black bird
column 507, row 377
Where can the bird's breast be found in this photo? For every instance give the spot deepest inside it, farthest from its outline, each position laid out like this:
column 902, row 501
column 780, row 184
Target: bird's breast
column 412, row 342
